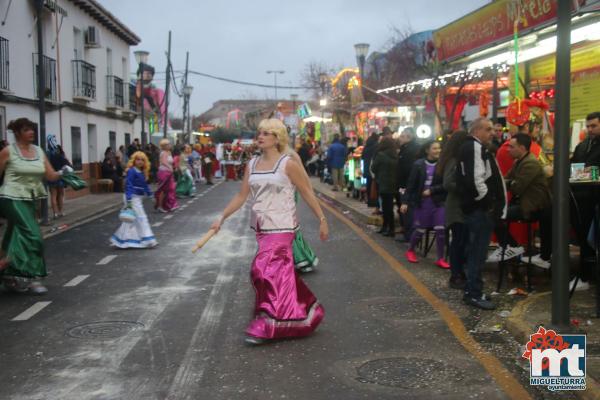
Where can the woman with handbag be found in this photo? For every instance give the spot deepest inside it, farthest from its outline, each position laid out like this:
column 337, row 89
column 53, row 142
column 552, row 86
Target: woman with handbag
column 135, row 231
column 285, row 307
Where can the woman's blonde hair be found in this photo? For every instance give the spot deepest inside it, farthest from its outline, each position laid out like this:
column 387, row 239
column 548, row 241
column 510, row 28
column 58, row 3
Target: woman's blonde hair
column 142, row 155
column 163, row 143
column 276, row 127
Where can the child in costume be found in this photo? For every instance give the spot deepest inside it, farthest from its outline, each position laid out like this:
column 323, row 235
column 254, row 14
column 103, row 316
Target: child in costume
column 136, row 234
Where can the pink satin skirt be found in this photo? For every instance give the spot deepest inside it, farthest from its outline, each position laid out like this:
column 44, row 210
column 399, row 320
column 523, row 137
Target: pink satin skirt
column 285, row 306
column 167, row 185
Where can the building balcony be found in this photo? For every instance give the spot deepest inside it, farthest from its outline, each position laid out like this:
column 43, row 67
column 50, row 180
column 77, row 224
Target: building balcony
column 49, row 65
column 84, row 80
column 115, row 92
column 4, row 65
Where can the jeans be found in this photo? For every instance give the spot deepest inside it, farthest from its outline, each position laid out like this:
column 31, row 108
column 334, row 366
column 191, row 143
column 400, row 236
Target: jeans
column 458, row 255
column 479, row 226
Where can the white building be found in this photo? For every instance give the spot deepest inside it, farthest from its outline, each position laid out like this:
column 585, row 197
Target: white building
column 90, row 102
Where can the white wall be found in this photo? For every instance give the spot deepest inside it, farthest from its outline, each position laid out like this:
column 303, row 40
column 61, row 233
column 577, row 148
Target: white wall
column 19, row 25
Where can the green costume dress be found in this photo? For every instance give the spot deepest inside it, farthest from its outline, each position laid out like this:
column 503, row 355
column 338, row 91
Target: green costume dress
column 185, row 182
column 23, row 187
column 304, row 257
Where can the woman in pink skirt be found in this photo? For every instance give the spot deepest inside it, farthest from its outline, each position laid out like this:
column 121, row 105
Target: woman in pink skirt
column 285, row 307
column 165, row 191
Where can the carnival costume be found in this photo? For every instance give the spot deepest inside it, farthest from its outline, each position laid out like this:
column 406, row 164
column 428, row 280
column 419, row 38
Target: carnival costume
column 185, row 182
column 305, row 259
column 166, row 185
column 285, row 306
column 23, row 186
column 136, row 234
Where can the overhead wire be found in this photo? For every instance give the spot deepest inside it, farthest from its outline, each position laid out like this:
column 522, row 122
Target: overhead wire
column 250, row 83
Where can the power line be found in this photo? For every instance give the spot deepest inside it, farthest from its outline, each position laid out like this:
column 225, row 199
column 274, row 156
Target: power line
column 250, row 83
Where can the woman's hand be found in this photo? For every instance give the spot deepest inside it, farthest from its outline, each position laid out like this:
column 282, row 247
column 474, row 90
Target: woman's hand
column 426, row 193
column 404, row 208
column 217, row 224
column 324, row 230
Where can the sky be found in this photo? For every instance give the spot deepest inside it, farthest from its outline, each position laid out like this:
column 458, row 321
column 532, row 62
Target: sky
column 242, row 39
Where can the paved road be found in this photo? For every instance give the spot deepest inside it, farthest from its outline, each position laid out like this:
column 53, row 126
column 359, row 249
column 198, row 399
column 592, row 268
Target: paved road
column 165, row 324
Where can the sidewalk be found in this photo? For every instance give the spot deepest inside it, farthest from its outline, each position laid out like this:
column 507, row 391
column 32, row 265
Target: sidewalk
column 518, row 315
column 78, row 211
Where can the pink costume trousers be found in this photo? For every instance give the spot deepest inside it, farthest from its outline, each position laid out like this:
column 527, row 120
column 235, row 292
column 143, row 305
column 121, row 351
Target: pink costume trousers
column 285, row 306
column 166, row 184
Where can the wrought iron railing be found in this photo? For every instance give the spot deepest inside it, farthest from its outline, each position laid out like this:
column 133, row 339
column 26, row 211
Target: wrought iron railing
column 132, row 98
column 49, row 64
column 115, row 91
column 84, row 80
column 4, row 64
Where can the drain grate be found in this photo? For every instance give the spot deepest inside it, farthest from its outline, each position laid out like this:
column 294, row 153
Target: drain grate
column 104, row 330
column 407, row 373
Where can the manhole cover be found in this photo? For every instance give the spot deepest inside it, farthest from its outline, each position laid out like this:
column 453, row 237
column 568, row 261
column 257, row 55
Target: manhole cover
column 104, row 330
column 407, row 373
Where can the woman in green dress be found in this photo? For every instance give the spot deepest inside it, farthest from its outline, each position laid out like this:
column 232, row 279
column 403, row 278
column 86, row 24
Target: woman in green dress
column 185, row 182
column 25, row 167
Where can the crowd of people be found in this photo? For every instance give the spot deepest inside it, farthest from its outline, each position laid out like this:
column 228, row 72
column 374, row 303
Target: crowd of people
column 469, row 189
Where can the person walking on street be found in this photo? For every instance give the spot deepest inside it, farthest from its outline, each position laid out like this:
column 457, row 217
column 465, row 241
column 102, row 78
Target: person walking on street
column 425, row 194
column 285, row 307
column 165, row 192
column 24, row 166
column 383, row 167
column 136, row 234
column 367, row 157
column 336, row 159
column 483, row 202
column 185, row 181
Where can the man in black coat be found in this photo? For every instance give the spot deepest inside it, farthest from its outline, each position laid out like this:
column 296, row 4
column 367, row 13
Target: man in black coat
column 409, row 150
column 367, row 157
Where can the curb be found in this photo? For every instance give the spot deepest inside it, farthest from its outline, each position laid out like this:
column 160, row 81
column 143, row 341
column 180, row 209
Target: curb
column 366, row 219
column 83, row 220
column 521, row 330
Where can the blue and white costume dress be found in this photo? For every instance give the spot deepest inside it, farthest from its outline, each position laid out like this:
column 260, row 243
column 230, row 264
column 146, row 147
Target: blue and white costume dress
column 137, row 234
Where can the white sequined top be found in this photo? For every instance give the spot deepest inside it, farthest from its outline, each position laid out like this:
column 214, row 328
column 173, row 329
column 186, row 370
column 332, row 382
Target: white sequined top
column 272, row 199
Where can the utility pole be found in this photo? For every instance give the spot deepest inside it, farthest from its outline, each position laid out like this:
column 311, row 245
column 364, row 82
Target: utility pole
column 275, row 77
column 186, row 99
column 41, row 82
column 560, row 207
column 167, row 88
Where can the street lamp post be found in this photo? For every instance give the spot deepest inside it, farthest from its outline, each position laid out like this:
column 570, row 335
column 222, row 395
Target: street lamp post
column 141, row 57
column 275, row 77
column 362, row 49
column 187, row 93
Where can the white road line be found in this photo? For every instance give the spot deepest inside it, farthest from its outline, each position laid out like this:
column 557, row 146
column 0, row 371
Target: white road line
column 190, row 201
column 31, row 311
column 76, row 281
column 157, row 224
column 169, row 216
column 106, row 260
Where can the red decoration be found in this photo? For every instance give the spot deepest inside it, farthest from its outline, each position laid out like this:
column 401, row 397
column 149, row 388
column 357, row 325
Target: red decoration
column 517, row 114
column 460, row 106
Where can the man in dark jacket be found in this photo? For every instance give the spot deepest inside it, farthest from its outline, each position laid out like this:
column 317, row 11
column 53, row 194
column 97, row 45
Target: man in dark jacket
column 483, row 202
column 336, row 159
column 531, row 200
column 588, row 153
column 409, row 150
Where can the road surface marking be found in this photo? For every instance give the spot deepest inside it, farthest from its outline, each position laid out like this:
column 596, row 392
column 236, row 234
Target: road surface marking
column 157, row 224
column 106, row 260
column 493, row 366
column 183, row 207
column 190, row 371
column 31, row 311
column 76, row 281
column 169, row 216
column 190, row 201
